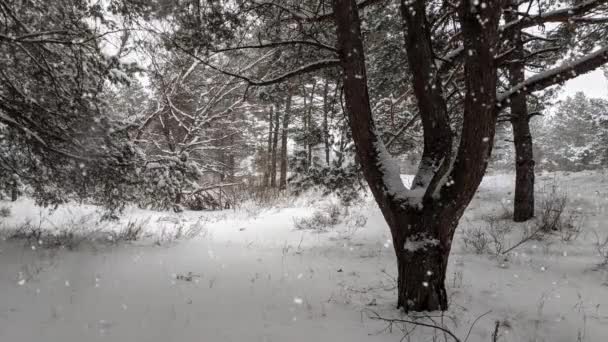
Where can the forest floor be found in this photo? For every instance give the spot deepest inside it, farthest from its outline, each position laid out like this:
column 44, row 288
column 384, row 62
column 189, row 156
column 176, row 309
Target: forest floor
column 251, row 275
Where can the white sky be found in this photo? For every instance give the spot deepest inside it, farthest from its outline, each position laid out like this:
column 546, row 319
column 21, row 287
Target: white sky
column 593, row 84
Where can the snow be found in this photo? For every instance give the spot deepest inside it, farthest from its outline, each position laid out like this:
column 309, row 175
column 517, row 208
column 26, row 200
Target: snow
column 392, row 178
column 415, row 245
column 250, row 276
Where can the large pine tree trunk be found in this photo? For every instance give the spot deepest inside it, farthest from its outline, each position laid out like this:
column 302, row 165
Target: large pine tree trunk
column 421, row 279
column 283, row 167
column 524, row 169
column 423, row 226
column 422, row 253
column 522, row 137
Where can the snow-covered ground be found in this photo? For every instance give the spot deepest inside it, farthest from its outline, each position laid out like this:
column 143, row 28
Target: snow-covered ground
column 249, row 275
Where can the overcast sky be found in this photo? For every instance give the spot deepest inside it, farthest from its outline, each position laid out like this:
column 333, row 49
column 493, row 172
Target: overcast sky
column 593, row 84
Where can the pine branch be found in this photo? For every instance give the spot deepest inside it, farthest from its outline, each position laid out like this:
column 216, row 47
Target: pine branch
column 556, row 75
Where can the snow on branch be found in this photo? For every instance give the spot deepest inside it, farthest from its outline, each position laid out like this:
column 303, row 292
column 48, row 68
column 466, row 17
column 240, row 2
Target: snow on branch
column 300, row 15
column 391, row 177
column 556, row 16
column 304, row 69
column 279, row 43
column 556, row 75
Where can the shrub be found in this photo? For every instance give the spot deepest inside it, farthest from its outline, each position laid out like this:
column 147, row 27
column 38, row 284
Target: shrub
column 476, row 240
column 553, row 215
column 498, row 231
column 5, row 211
column 321, row 219
column 551, row 210
column 490, row 238
column 601, row 246
column 346, row 181
column 131, row 232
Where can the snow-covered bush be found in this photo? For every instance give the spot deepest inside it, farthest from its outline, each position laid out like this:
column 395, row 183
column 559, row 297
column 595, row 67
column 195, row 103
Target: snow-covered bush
column 345, row 181
column 322, row 219
column 5, row 211
column 165, row 182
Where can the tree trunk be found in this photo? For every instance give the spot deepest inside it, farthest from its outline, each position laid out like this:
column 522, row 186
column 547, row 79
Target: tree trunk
column 309, row 140
column 14, row 191
column 269, row 150
column 421, row 279
column 326, row 120
column 522, row 137
column 305, row 124
column 524, row 170
column 273, row 159
column 286, row 115
column 423, row 227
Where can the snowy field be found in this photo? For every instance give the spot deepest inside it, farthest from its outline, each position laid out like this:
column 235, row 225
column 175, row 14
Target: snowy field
column 250, row 275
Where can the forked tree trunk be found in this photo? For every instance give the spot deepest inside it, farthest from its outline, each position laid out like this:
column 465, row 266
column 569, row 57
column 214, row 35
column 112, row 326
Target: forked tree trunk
column 286, row 117
column 422, row 227
column 522, row 137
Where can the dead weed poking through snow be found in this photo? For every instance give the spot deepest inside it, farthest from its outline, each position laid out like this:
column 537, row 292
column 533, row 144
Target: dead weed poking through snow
column 330, row 216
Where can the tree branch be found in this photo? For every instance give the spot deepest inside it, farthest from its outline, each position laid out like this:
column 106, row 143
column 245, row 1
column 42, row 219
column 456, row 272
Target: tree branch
column 280, row 43
column 314, row 66
column 556, row 75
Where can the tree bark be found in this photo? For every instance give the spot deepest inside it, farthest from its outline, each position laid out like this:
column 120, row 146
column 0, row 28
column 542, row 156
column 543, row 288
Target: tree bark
column 14, row 191
column 309, row 140
column 524, row 170
column 286, row 118
column 422, row 227
column 522, row 137
column 428, row 91
column 273, row 160
column 269, row 149
column 326, row 120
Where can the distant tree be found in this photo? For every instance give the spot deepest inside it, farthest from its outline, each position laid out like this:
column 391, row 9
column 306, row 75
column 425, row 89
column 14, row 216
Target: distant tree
column 576, row 133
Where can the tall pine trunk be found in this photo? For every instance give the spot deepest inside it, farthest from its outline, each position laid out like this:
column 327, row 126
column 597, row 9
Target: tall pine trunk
column 522, row 137
column 326, row 120
column 309, row 131
column 269, row 148
column 524, row 168
column 283, row 167
column 273, row 159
